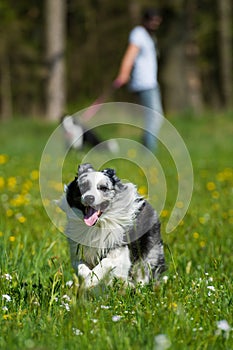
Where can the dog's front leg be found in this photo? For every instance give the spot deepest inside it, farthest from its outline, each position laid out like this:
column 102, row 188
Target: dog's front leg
column 116, row 264
column 98, row 272
column 83, row 271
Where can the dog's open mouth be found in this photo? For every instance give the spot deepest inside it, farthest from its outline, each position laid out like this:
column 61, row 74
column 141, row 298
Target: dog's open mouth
column 91, row 216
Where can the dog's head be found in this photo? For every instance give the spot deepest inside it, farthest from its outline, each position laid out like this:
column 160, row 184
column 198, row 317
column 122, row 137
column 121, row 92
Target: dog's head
column 92, row 192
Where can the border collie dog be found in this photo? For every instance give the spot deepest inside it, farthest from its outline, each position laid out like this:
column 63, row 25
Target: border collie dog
column 112, row 231
column 76, row 136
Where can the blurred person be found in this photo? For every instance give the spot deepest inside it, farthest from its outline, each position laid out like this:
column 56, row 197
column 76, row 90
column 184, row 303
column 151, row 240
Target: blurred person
column 139, row 69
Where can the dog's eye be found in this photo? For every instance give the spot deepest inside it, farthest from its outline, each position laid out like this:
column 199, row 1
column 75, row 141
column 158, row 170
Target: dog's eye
column 103, row 188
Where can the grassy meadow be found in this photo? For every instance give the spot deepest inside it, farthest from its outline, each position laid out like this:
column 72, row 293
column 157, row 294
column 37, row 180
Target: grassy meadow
column 42, row 306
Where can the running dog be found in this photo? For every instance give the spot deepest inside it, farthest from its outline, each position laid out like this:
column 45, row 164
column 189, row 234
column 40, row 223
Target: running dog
column 113, row 232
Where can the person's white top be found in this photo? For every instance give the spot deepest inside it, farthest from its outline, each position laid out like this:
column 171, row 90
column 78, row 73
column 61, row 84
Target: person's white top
column 144, row 72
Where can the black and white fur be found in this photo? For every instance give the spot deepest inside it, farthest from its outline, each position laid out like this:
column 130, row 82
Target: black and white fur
column 76, row 136
column 112, row 231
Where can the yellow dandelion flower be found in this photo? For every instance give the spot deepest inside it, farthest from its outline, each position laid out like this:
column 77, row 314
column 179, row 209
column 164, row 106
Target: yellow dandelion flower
column 46, row 202
column 225, row 175
column 56, row 186
column 19, row 200
column 173, row 305
column 164, row 213
column 215, row 206
column 179, row 204
column 228, row 173
column 11, row 183
column 196, row 235
column 3, row 159
column 21, row 219
column 1, row 233
column 9, row 213
column 215, row 194
column 12, row 238
column 2, row 182
column 27, row 186
column 153, row 180
column 131, row 153
column 153, row 171
column 34, row 175
column 202, row 220
column 142, row 190
column 6, row 316
column 202, row 244
column 153, row 176
column 58, row 210
column 210, row 186
column 220, row 177
column 225, row 215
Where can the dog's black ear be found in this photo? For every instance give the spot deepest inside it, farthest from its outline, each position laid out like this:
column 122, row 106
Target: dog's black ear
column 112, row 176
column 109, row 172
column 73, row 195
column 84, row 168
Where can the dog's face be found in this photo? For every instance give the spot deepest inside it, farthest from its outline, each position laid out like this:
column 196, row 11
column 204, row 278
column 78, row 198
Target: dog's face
column 93, row 192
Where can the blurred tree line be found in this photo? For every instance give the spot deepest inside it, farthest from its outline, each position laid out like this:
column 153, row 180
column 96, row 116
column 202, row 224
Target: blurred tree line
column 62, row 54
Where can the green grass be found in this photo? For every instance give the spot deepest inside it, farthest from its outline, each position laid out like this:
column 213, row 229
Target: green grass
column 45, row 313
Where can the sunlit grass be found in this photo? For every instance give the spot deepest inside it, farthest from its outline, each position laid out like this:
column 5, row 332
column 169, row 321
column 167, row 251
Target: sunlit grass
column 42, row 306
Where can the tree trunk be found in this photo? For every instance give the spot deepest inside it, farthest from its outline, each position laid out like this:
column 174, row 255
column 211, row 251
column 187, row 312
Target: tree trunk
column 5, row 81
column 225, row 48
column 55, row 36
column 181, row 75
column 193, row 77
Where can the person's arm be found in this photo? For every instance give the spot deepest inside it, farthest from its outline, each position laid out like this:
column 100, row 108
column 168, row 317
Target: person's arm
column 126, row 65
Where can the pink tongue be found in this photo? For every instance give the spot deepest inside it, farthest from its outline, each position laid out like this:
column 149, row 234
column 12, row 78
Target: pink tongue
column 91, row 217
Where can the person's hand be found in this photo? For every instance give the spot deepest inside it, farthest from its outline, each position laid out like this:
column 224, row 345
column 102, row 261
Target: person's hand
column 117, row 83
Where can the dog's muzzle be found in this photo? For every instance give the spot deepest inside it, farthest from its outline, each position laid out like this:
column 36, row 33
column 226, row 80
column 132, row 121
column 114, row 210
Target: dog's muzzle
column 92, row 212
column 88, row 200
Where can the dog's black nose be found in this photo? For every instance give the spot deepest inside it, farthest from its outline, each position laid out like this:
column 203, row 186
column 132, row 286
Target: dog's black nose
column 88, row 200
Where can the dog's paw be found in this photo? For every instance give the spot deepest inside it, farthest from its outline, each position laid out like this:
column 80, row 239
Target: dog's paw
column 83, row 271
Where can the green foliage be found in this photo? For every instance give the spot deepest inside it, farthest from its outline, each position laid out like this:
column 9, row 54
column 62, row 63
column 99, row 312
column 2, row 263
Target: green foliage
column 97, row 35
column 40, row 309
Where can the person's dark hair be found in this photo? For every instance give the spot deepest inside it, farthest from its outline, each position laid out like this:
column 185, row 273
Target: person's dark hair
column 149, row 13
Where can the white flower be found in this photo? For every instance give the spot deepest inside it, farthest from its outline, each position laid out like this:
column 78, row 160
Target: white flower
column 211, row 288
column 66, row 306
column 116, row 318
column 4, row 308
column 66, row 297
column 162, row 342
column 77, row 331
column 223, row 325
column 104, row 307
column 165, row 278
column 223, row 328
column 7, row 297
column 69, row 283
column 7, row 276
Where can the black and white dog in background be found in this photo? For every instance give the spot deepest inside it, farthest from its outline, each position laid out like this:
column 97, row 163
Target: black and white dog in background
column 76, row 136
column 112, row 231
